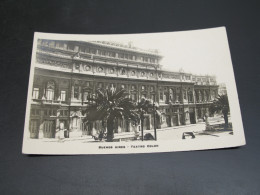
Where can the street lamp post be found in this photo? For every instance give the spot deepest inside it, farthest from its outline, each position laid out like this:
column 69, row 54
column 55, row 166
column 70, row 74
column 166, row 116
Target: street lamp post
column 155, row 131
column 142, row 125
column 154, row 121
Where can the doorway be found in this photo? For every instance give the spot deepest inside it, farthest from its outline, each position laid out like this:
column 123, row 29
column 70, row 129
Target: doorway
column 49, row 129
column 192, row 118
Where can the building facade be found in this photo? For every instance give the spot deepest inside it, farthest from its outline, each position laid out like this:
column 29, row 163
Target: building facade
column 222, row 89
column 68, row 72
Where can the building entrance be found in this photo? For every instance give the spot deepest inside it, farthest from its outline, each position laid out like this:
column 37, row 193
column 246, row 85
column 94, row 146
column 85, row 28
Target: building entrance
column 175, row 120
column 168, row 121
column 34, row 128
column 49, row 129
column 192, row 118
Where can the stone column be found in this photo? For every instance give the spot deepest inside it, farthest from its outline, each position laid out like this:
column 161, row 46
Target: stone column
column 195, row 115
column 80, row 93
column 178, row 117
column 57, row 127
column 40, row 135
column 187, row 117
column 72, row 91
column 193, row 96
column 181, row 93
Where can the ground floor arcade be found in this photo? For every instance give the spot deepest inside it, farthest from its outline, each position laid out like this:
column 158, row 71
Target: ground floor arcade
column 46, row 121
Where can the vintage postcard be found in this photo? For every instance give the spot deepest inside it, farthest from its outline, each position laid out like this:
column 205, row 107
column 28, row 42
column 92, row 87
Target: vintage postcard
column 131, row 93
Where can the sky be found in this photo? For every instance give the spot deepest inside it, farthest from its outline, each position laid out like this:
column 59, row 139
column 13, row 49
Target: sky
column 198, row 52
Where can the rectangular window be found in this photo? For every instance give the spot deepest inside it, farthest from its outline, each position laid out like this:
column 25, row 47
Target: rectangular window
column 93, row 51
column 50, row 94
column 100, row 85
column 76, row 92
column 133, row 97
column 161, row 96
column 82, row 49
column 63, row 95
column 35, row 93
column 87, row 50
column 59, row 45
column 33, row 112
column 121, row 55
column 34, row 126
column 71, row 47
column 54, row 112
column 86, row 96
column 76, row 48
column 37, row 112
column 45, row 43
column 66, row 112
column 52, row 43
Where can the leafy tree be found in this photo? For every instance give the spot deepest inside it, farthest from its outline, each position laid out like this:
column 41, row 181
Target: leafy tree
column 144, row 107
column 221, row 104
column 110, row 105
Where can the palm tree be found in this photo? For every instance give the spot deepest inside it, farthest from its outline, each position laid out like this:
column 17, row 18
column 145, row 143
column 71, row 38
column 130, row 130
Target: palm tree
column 143, row 107
column 110, row 105
column 221, row 104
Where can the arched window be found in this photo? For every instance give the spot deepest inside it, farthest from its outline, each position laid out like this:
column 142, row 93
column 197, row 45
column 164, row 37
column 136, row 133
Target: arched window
column 76, row 91
column 202, row 95
column 207, row 96
column 123, row 72
column 190, row 96
column 50, row 90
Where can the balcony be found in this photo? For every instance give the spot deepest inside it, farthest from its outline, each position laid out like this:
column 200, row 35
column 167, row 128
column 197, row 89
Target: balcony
column 49, row 102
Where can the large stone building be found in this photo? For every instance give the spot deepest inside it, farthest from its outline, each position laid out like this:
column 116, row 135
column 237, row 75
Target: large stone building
column 68, row 72
column 222, row 89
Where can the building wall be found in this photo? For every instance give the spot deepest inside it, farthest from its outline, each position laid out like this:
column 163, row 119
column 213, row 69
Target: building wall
column 67, row 73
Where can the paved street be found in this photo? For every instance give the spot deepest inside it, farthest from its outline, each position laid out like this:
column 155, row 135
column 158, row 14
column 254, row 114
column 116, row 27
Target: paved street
column 173, row 133
column 169, row 133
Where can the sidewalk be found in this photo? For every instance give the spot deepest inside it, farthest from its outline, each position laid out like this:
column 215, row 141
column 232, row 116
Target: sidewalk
column 168, row 133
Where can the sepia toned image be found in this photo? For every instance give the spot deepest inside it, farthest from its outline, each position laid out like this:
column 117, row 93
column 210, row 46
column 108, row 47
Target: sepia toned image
column 116, row 94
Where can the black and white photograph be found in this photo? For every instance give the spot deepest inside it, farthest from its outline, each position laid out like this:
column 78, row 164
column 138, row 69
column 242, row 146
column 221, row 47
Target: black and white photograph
column 131, row 93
